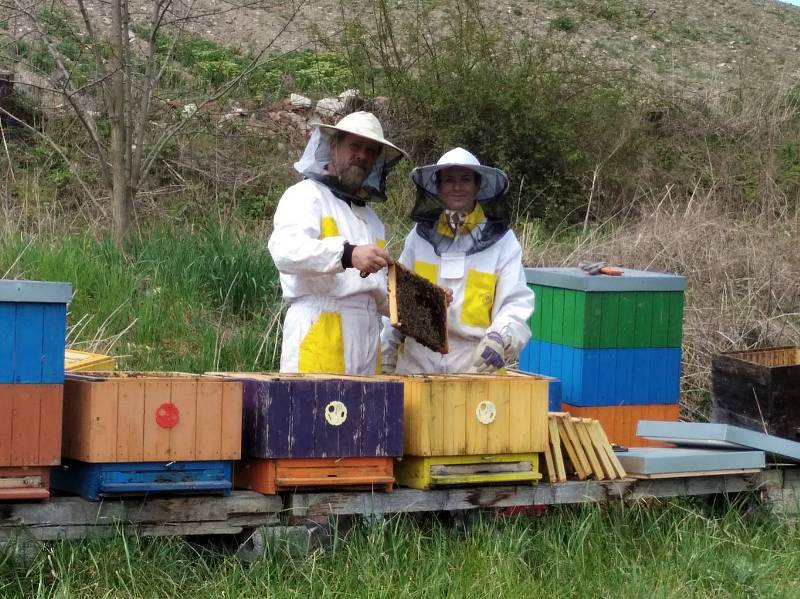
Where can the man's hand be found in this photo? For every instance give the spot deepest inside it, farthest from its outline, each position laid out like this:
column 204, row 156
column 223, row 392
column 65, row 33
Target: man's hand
column 370, row 258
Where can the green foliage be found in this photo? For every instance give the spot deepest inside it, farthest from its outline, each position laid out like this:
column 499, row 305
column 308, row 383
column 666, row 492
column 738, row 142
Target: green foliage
column 681, row 550
column 534, row 108
column 563, row 23
column 193, row 301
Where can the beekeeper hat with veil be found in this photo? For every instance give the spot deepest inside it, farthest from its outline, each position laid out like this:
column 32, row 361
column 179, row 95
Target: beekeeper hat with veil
column 317, row 156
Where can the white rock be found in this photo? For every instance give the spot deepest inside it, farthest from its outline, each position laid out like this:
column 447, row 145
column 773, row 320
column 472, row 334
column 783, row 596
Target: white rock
column 189, row 109
column 330, row 106
column 299, row 101
column 349, row 93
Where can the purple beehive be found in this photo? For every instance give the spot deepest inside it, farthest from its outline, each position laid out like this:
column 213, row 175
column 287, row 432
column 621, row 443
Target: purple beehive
column 294, row 417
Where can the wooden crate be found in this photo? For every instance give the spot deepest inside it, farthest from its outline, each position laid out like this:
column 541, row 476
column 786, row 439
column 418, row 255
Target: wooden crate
column 30, row 425
column 619, row 422
column 93, row 481
column 321, row 416
column 150, row 417
column 458, row 415
column 758, row 390
column 24, row 483
column 420, row 472
column 33, row 325
column 270, row 476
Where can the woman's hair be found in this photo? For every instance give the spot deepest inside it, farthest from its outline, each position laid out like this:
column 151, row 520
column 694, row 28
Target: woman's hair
column 438, row 174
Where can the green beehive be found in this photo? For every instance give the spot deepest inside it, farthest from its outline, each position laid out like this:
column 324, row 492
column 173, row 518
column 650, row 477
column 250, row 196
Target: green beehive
column 638, row 309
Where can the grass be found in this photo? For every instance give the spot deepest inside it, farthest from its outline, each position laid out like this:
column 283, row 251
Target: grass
column 179, row 300
column 684, row 549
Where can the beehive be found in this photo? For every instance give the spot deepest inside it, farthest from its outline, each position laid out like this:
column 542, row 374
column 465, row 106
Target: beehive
column 321, row 416
column 151, row 417
column 759, row 390
column 33, row 324
column 459, row 415
column 32, row 332
column 319, row 431
column 614, row 341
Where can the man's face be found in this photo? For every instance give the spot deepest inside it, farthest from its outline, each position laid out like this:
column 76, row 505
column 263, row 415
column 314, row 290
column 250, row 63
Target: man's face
column 352, row 158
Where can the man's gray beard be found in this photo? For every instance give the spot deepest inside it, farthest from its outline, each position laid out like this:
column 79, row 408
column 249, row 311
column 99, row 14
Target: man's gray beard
column 351, row 179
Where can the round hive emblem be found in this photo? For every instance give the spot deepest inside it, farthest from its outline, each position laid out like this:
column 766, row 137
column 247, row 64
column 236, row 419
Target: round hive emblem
column 486, row 412
column 335, row 413
column 167, row 415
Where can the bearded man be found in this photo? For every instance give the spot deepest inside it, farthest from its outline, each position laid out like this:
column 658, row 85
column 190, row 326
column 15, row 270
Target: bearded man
column 328, row 246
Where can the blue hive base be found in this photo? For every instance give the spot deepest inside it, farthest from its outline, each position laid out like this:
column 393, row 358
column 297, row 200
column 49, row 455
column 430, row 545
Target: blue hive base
column 92, row 481
column 608, row 377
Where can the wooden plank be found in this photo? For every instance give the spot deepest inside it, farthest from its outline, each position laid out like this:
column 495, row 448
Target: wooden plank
column 586, row 443
column 51, row 397
column 182, row 442
column 599, row 449
column 555, row 446
column 521, row 423
column 581, row 471
column 231, row 440
column 615, row 463
column 498, row 433
column 422, row 417
column 130, row 420
column 26, row 405
column 156, row 438
column 583, row 465
column 456, row 427
column 665, row 475
column 209, row 419
column 438, row 418
column 6, row 412
column 549, row 462
column 446, row 469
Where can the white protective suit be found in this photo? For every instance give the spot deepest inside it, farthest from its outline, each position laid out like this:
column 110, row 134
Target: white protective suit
column 489, row 294
column 333, row 320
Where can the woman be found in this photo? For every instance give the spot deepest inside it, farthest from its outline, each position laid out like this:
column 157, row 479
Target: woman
column 462, row 241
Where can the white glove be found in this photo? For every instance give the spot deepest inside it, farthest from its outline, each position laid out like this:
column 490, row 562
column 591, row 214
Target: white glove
column 489, row 354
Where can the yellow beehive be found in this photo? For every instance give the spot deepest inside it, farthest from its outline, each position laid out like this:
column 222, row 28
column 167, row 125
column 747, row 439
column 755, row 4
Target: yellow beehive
column 81, row 361
column 457, row 415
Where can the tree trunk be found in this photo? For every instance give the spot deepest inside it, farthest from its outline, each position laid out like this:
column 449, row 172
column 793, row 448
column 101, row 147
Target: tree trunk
column 120, row 190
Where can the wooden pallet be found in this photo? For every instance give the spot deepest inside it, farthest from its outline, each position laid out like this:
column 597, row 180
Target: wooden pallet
column 579, row 447
column 93, row 481
column 24, row 483
column 419, row 472
column 273, row 475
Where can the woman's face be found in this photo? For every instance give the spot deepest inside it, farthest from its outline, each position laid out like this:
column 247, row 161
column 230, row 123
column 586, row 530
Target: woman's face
column 458, row 188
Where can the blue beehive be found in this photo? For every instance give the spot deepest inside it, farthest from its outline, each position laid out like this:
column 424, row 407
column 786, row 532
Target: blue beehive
column 612, row 340
column 33, row 325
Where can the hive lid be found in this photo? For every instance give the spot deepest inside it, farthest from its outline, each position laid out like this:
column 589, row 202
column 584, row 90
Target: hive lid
column 715, row 435
column 45, row 292
column 629, row 280
column 664, row 460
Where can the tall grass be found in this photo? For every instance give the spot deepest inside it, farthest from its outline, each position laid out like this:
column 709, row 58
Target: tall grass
column 190, row 300
column 682, row 550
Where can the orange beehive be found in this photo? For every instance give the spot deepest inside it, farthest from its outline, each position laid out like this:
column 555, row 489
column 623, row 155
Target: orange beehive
column 619, row 422
column 151, row 417
column 30, row 425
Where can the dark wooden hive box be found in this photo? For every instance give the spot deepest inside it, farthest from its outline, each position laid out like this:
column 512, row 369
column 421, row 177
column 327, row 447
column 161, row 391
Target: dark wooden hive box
column 284, row 416
column 758, row 390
